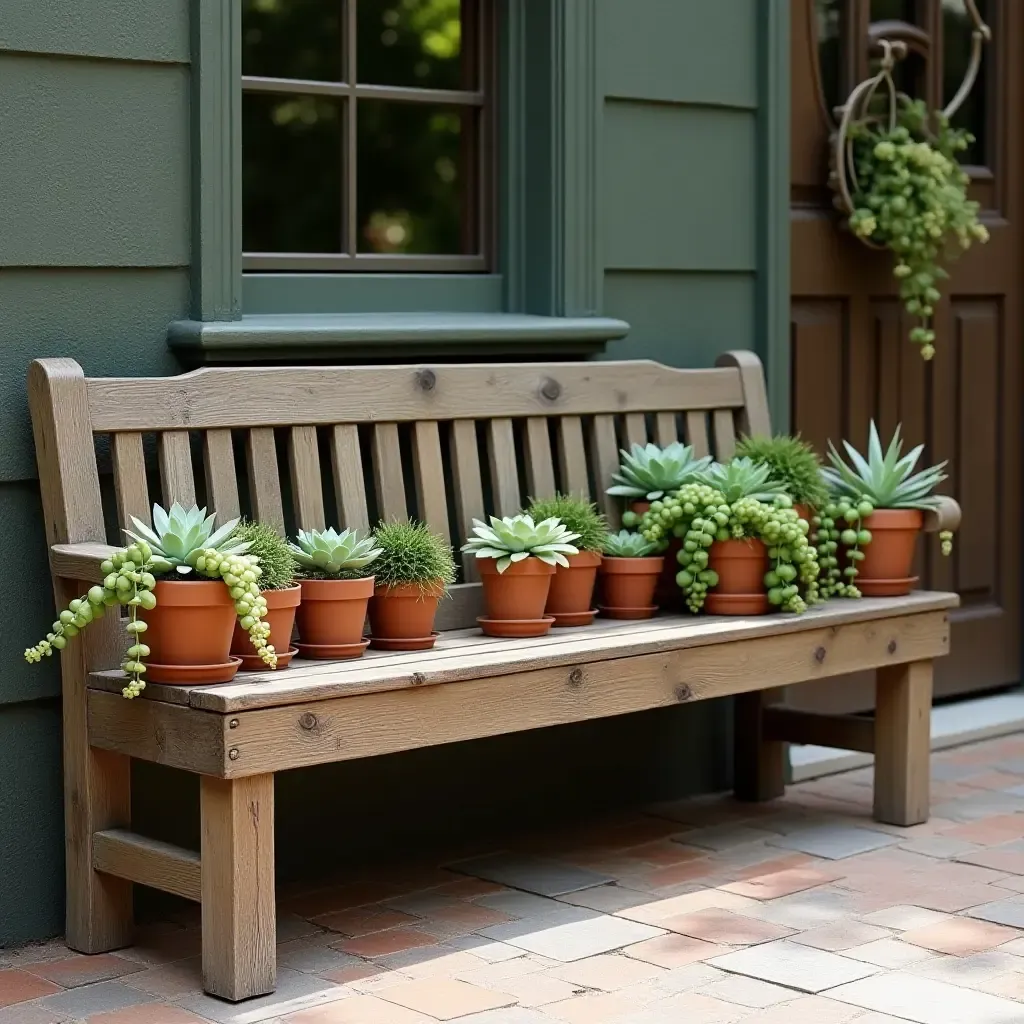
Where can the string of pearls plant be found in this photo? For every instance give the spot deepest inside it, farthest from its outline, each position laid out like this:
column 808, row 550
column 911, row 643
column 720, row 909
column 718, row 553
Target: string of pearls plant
column 180, row 542
column 841, row 523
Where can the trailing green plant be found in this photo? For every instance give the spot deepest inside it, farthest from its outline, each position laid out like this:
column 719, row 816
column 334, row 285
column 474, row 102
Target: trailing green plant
column 648, row 472
column 514, row 538
column 278, row 565
column 748, row 504
column 911, row 198
column 180, row 543
column 410, row 553
column 839, row 534
column 792, row 462
column 327, row 554
column 577, row 514
column 626, row 544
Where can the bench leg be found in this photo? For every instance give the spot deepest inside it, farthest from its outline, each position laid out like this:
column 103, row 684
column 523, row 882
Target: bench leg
column 903, row 705
column 239, row 929
column 759, row 771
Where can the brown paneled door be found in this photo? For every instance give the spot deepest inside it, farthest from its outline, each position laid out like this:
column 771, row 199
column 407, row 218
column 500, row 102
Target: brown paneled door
column 851, row 359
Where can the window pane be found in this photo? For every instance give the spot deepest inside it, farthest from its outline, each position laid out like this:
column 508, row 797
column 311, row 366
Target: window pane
column 410, row 179
column 827, row 17
column 291, row 173
column 292, row 39
column 956, row 45
column 909, row 72
column 411, row 42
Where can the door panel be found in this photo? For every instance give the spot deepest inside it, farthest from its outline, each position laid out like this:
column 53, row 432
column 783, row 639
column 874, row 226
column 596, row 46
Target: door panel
column 851, row 359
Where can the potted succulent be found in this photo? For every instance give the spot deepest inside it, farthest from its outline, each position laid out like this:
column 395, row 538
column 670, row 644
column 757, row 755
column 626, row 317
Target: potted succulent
column 891, row 498
column 648, row 472
column 517, row 558
column 745, row 549
column 184, row 583
column 412, row 572
column 630, row 571
column 336, row 589
column 572, row 588
column 794, row 464
column 279, row 588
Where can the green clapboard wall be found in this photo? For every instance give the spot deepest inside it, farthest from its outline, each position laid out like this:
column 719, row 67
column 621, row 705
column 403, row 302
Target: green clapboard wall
column 94, row 254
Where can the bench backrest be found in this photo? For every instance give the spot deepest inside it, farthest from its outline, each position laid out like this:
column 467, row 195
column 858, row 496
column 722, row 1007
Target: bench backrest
column 316, row 446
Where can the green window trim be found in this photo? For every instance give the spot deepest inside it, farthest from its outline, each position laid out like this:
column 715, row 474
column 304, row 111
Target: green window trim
column 550, row 258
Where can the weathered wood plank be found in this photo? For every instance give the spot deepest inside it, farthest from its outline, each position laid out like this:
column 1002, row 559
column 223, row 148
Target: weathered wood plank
column 349, row 483
column 264, row 479
column 572, row 457
column 221, row 477
column 469, row 492
column 130, row 479
column 754, row 417
column 605, row 450
column 665, row 432
column 239, row 918
column 501, row 451
column 307, row 485
column 177, row 482
column 844, row 732
column 151, row 862
column 388, row 477
column 540, row 468
column 429, row 473
column 697, row 434
column 759, row 760
column 725, row 434
column 636, row 429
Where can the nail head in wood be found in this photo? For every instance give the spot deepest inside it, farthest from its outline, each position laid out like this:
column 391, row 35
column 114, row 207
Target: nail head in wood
column 233, row 754
column 683, row 693
column 551, row 389
column 426, row 379
column 233, row 723
column 307, row 721
column 576, row 678
column 819, row 655
column 891, row 648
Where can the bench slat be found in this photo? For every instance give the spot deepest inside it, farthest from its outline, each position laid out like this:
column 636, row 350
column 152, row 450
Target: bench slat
column 264, row 479
column 725, row 434
column 469, row 492
column 130, row 479
column 572, row 456
column 177, row 481
column 636, row 429
column 388, row 477
column 307, row 489
column 665, row 432
column 540, row 467
column 221, row 479
column 429, row 474
column 697, row 434
column 605, row 449
column 349, row 483
column 504, row 469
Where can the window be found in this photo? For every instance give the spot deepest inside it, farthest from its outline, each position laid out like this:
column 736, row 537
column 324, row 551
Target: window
column 367, row 135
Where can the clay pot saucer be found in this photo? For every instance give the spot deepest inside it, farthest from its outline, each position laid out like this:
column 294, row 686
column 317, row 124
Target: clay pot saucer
column 574, row 618
column 516, row 627
column 628, row 613
column 192, row 675
column 392, row 643
column 332, row 652
column 254, row 663
column 737, row 604
column 886, row 588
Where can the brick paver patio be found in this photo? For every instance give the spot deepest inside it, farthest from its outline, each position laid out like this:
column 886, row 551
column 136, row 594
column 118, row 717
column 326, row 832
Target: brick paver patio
column 802, row 911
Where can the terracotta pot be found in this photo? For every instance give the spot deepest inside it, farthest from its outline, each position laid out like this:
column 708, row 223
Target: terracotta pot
column 741, row 565
column 333, row 612
column 404, row 612
column 572, row 590
column 520, row 592
column 628, row 586
column 191, row 626
column 639, row 507
column 281, row 606
column 805, row 512
column 885, row 571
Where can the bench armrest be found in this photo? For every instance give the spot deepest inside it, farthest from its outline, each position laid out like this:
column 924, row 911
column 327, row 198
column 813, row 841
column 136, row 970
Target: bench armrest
column 945, row 517
column 80, row 561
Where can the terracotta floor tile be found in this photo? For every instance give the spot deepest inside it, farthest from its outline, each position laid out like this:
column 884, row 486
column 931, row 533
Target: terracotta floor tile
column 364, row 920
column 357, row 972
column 383, row 943
column 689, row 903
column 149, row 1013
column 782, row 883
column 19, row 986
column 773, row 866
column 358, row 1010
column 84, row 970
column 699, row 869
column 469, row 915
column 998, row 858
column 724, row 928
column 961, row 936
column 663, row 853
column 445, row 998
column 331, row 899
column 467, row 888
column 169, row 980
column 591, row 1009
column 990, row 831
column 536, row 989
column 165, row 947
column 607, row 972
column 992, row 780
column 671, row 951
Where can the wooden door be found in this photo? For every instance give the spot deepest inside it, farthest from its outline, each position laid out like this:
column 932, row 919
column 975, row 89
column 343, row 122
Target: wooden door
column 851, row 357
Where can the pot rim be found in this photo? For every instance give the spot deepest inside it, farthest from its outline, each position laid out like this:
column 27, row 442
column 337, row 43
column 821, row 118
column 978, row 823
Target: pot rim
column 529, row 566
column 283, row 597
column 894, row 519
column 337, row 590
column 583, row 560
column 191, row 593
column 644, row 565
column 745, row 547
column 428, row 589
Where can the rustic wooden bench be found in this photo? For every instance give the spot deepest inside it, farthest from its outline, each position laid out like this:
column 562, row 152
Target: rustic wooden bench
column 445, row 443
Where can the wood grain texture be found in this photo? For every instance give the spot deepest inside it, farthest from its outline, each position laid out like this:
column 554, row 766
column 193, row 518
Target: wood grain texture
column 349, row 484
column 130, row 486
column 697, row 434
column 469, row 492
column 605, row 453
column 759, row 760
column 572, row 457
column 374, row 394
column 264, row 479
column 97, row 784
column 636, row 429
column 307, row 486
column 754, row 418
column 239, row 917
column 844, row 732
column 903, row 706
column 80, row 561
column 151, row 862
column 221, row 476
column 501, row 453
column 387, row 472
column 540, row 467
column 725, row 434
column 177, row 481
column 428, row 466
column 665, row 431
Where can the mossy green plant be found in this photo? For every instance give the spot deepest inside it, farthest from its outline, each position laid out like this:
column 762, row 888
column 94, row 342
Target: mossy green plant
column 579, row 516
column 412, row 554
column 275, row 559
column 793, row 463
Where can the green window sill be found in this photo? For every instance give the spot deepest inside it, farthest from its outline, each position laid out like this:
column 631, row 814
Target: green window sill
column 356, row 337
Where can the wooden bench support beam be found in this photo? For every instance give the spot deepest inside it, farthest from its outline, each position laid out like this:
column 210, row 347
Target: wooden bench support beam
column 239, row 927
column 759, row 771
column 162, row 866
column 903, row 704
column 846, row 732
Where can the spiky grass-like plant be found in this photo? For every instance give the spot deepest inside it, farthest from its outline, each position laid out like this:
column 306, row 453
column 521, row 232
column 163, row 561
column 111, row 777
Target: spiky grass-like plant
column 793, row 463
column 279, row 567
column 578, row 514
column 410, row 553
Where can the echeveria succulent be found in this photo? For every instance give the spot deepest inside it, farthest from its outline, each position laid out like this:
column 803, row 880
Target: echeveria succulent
column 332, row 553
column 514, row 538
column 649, row 472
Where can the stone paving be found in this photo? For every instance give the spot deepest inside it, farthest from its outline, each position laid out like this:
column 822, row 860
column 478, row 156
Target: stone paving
column 801, row 911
